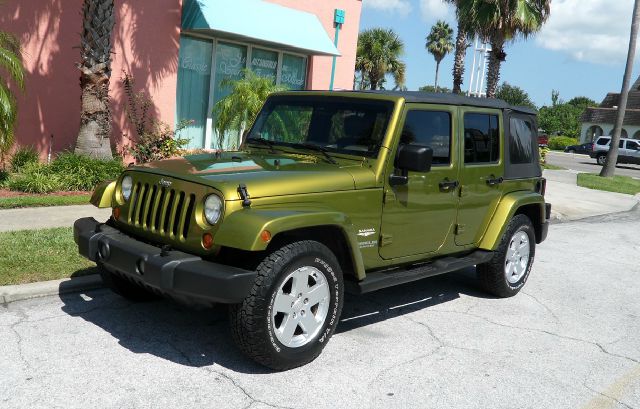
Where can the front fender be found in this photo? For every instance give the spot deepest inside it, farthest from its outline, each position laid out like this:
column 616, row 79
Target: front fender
column 242, row 229
column 103, row 194
column 507, row 208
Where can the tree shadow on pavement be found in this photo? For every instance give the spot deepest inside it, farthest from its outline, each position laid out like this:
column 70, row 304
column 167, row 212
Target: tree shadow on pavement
column 201, row 337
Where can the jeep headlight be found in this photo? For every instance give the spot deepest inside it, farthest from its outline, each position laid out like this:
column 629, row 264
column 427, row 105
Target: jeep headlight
column 126, row 186
column 212, row 209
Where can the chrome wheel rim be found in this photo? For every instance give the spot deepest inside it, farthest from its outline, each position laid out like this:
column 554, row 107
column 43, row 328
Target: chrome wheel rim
column 517, row 257
column 300, row 307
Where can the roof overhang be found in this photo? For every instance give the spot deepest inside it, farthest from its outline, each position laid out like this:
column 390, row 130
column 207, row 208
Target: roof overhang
column 261, row 22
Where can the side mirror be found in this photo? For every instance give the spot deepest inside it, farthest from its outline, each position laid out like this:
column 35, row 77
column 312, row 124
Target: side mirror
column 414, row 158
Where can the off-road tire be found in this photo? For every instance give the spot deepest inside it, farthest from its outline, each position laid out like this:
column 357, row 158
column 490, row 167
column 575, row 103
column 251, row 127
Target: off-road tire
column 251, row 320
column 491, row 275
column 126, row 288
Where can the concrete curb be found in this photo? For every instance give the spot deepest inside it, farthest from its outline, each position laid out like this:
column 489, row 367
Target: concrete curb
column 11, row 293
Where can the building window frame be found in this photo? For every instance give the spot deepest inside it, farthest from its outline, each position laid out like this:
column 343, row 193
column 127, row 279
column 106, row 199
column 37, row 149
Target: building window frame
column 208, row 137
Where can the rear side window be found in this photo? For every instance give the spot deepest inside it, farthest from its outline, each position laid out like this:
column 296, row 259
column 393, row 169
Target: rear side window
column 632, row 145
column 481, row 138
column 520, row 141
column 603, row 141
column 432, row 129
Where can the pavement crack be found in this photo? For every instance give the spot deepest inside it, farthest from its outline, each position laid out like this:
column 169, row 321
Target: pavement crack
column 543, row 305
column 609, row 397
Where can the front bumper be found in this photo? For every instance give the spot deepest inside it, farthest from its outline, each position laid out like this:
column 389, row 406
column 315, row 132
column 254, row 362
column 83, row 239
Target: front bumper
column 179, row 275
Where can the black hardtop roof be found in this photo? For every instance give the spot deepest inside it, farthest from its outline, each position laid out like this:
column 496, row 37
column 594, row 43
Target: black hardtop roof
column 437, row 98
column 453, row 99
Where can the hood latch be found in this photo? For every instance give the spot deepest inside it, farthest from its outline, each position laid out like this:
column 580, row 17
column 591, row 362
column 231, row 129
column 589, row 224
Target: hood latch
column 244, row 195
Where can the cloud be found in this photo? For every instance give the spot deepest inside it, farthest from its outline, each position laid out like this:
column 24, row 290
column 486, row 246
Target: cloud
column 402, row 7
column 434, row 9
column 589, row 30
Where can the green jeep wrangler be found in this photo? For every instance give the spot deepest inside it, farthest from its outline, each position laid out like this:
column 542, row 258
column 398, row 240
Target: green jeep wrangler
column 331, row 192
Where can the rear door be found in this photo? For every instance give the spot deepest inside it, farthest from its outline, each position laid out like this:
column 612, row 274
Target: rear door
column 418, row 217
column 482, row 171
column 632, row 151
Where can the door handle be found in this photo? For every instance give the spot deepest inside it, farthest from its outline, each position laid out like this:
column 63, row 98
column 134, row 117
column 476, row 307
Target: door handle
column 447, row 185
column 493, row 181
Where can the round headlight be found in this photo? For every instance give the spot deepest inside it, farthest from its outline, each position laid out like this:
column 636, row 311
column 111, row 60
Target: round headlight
column 125, row 186
column 212, row 209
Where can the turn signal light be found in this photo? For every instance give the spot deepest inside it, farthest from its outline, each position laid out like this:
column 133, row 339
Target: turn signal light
column 265, row 236
column 207, row 241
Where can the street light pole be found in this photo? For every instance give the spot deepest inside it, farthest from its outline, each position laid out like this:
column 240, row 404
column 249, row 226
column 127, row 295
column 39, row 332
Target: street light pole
column 338, row 19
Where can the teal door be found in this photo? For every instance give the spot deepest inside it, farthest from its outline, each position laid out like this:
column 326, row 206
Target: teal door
column 194, row 76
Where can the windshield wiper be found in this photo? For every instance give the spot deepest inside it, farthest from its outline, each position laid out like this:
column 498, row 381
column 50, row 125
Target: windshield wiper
column 319, row 149
column 262, row 141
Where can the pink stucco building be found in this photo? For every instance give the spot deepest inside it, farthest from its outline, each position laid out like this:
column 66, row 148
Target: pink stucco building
column 180, row 52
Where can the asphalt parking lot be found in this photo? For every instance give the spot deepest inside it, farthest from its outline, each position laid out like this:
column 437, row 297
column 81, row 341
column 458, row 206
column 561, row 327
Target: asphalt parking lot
column 583, row 163
column 569, row 340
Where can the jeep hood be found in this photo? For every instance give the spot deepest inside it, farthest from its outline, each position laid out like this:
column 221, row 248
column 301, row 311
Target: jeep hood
column 265, row 174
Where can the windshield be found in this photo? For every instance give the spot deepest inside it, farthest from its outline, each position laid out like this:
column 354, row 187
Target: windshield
column 337, row 125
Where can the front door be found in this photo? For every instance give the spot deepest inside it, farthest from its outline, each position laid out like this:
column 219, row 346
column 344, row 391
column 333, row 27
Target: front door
column 481, row 173
column 418, row 217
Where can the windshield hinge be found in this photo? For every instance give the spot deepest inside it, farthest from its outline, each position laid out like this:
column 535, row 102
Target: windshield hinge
column 244, row 195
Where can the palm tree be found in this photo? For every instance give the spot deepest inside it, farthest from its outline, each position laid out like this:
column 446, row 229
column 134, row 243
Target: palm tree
column 95, row 74
column 11, row 63
column 462, row 43
column 378, row 54
column 238, row 110
column 608, row 170
column 439, row 44
column 502, row 21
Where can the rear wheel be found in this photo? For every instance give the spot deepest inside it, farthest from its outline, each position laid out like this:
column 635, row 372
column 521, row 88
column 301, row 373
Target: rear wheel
column 602, row 159
column 508, row 270
column 293, row 308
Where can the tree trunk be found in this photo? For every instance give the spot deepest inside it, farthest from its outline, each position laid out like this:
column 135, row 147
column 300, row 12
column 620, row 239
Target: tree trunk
column 437, row 70
column 496, row 57
column 608, row 170
column 95, row 73
column 458, row 62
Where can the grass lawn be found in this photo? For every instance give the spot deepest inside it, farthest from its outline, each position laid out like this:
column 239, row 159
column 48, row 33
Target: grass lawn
column 551, row 167
column 28, row 256
column 619, row 184
column 42, row 200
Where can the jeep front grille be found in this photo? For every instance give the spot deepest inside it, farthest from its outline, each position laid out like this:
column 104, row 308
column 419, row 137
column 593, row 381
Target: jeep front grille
column 160, row 210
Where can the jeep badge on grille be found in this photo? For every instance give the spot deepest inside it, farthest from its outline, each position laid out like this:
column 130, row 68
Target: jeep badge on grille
column 164, row 182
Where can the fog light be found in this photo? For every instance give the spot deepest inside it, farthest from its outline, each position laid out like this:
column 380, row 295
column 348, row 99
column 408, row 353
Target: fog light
column 116, row 213
column 207, row 241
column 265, row 236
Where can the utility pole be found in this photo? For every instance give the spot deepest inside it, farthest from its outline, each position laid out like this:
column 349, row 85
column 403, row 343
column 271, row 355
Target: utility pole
column 338, row 19
column 609, row 168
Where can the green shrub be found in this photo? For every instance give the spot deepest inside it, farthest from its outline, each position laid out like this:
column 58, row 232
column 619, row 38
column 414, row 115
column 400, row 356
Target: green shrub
column 4, row 178
column 543, row 155
column 35, row 178
column 77, row 172
column 160, row 142
column 558, row 143
column 24, row 156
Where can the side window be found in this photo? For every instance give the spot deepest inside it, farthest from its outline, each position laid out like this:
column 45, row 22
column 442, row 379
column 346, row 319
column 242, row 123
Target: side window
column 520, row 141
column 621, row 145
column 429, row 128
column 632, row 145
column 602, row 141
column 481, row 138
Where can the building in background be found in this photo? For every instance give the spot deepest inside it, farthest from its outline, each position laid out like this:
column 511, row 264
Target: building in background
column 600, row 120
column 180, row 52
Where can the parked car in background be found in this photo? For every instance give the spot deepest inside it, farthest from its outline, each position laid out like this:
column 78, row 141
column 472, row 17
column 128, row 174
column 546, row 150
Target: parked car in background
column 629, row 150
column 584, row 148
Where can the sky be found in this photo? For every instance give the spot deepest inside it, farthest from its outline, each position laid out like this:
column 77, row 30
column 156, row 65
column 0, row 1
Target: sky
column 581, row 50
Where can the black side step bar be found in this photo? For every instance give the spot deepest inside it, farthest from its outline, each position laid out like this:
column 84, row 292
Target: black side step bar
column 388, row 278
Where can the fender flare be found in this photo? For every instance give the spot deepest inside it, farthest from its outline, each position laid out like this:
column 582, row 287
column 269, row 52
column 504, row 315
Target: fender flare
column 507, row 208
column 241, row 229
column 102, row 195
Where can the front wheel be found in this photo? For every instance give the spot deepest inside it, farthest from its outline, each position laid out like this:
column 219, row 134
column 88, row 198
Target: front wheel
column 293, row 308
column 507, row 272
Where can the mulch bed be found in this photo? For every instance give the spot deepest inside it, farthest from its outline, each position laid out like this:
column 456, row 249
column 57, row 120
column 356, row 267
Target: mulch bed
column 11, row 193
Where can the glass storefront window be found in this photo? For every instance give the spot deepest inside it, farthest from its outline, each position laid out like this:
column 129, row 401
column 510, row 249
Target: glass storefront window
column 294, row 71
column 194, row 76
column 231, row 59
column 264, row 63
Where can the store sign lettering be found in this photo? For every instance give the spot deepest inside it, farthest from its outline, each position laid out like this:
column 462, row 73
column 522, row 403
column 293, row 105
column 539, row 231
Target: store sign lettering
column 187, row 63
column 262, row 63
